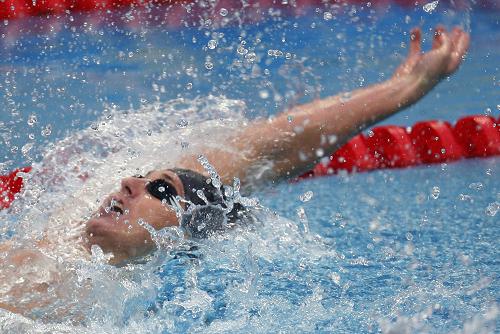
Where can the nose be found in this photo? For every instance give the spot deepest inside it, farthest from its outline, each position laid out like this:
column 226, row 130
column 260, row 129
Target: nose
column 132, row 186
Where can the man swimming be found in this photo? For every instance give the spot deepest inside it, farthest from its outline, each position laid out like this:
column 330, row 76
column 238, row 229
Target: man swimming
column 279, row 148
column 287, row 144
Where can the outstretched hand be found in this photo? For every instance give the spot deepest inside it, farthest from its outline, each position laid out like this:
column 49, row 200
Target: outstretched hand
column 448, row 51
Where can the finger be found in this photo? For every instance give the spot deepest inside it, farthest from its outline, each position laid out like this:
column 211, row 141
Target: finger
column 463, row 43
column 441, row 40
column 460, row 49
column 455, row 35
column 436, row 42
column 415, row 41
column 438, row 37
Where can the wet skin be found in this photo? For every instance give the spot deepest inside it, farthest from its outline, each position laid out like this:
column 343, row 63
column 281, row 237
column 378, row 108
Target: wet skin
column 116, row 227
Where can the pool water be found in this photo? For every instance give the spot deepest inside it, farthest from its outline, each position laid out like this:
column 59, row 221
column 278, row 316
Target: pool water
column 393, row 251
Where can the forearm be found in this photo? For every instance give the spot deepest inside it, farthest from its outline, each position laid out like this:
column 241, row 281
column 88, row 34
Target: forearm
column 345, row 115
column 297, row 139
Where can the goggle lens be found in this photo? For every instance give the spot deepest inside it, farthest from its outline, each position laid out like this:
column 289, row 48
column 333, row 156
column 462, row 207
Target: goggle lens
column 161, row 190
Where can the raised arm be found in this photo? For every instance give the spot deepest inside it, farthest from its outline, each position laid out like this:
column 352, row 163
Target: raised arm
column 294, row 141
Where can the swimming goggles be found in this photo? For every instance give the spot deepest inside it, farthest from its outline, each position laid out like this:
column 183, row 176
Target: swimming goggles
column 160, row 189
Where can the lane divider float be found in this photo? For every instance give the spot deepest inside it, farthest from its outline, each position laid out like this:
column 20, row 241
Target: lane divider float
column 387, row 146
column 427, row 142
column 13, row 9
column 10, row 185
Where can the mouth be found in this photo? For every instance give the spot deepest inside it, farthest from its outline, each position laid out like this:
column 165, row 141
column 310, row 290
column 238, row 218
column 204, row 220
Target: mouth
column 113, row 206
column 116, row 208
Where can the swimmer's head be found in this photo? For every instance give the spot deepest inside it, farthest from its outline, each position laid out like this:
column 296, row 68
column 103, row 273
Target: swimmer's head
column 118, row 225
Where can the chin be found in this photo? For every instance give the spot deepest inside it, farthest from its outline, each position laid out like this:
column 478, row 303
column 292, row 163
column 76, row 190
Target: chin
column 100, row 228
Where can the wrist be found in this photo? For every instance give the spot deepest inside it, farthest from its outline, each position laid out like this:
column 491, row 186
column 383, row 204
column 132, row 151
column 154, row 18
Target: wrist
column 410, row 88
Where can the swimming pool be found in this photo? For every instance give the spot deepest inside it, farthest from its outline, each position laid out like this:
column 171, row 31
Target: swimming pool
column 375, row 252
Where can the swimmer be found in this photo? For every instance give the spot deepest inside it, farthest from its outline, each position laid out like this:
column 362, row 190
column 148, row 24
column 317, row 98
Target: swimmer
column 286, row 144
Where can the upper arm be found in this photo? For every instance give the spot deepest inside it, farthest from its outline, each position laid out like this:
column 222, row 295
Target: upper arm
column 265, row 150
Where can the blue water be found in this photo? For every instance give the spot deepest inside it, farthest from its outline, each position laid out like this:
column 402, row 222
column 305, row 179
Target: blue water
column 395, row 251
column 417, row 250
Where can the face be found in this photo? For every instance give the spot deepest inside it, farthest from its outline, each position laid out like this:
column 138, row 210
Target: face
column 116, row 226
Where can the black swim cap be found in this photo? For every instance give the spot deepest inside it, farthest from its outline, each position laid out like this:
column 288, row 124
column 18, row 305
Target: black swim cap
column 203, row 219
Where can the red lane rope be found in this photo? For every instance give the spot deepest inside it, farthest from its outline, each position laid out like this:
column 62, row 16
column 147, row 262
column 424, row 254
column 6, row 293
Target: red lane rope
column 385, row 146
column 10, row 185
column 427, row 142
column 12, row 9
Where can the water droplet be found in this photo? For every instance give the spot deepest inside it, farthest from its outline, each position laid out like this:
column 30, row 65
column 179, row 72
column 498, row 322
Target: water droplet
column 488, row 171
column 214, row 177
column 182, row 123
column 263, row 94
column 301, row 213
column 327, row 16
column 161, row 189
column 409, row 236
column 251, row 57
column 223, row 12
column 430, row 6
column 306, row 197
column 47, row 130
column 476, row 186
column 464, row 197
column 487, row 111
column 32, row 120
column 492, row 209
column 209, row 65
column 26, row 148
column 335, row 278
column 345, row 97
column 189, row 86
column 289, row 118
column 241, row 50
column 212, row 44
column 189, row 71
column 435, row 192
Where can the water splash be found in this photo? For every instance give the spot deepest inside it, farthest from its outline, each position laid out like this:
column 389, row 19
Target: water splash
column 430, row 6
